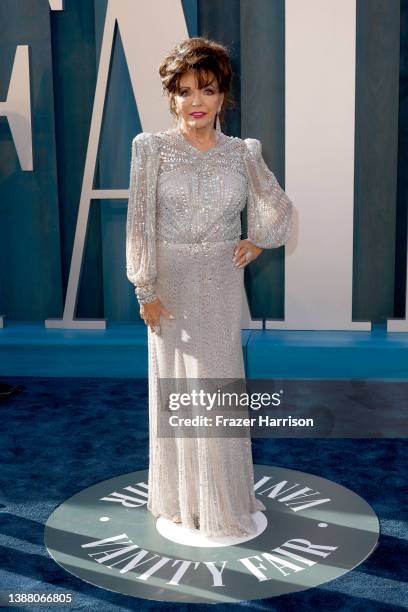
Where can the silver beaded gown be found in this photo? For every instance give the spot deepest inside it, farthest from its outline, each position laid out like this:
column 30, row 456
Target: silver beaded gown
column 183, row 222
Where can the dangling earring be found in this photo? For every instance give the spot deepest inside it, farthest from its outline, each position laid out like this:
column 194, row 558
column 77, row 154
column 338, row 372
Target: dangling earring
column 217, row 123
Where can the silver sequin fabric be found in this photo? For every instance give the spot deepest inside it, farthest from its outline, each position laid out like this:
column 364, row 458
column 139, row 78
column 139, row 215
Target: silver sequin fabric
column 182, row 225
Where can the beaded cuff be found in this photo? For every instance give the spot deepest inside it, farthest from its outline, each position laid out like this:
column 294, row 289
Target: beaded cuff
column 145, row 294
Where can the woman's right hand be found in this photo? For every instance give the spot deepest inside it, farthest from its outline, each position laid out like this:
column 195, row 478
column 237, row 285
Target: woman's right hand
column 151, row 313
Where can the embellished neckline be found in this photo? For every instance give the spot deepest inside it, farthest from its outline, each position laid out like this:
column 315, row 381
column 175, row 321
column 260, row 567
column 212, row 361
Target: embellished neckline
column 221, row 138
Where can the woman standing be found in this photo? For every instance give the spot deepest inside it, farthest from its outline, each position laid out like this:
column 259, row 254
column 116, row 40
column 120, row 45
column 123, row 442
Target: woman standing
column 184, row 255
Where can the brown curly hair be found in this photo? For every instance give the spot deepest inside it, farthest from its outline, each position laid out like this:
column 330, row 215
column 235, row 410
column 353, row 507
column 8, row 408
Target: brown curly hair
column 201, row 55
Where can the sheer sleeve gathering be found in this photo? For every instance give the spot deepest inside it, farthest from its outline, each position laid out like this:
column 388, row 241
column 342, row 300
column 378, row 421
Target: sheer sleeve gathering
column 269, row 210
column 141, row 217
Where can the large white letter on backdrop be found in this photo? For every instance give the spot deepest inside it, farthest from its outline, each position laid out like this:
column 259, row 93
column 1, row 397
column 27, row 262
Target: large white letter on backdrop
column 148, row 30
column 319, row 158
column 17, row 107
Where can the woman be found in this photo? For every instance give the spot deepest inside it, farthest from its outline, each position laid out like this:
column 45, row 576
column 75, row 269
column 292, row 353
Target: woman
column 188, row 185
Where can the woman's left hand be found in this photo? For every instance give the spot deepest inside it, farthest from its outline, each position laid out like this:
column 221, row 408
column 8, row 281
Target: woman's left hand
column 245, row 252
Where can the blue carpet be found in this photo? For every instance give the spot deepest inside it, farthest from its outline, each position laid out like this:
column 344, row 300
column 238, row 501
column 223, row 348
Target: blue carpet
column 61, row 435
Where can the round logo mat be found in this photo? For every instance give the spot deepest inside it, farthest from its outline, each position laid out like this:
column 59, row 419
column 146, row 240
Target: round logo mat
column 313, row 530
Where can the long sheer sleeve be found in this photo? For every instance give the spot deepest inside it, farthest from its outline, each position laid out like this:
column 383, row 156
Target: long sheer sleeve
column 141, row 217
column 269, row 210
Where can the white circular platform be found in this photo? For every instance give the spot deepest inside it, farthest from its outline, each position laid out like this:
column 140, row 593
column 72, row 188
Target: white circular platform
column 176, row 532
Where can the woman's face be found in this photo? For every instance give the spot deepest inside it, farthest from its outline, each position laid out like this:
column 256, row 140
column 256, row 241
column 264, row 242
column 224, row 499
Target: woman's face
column 198, row 107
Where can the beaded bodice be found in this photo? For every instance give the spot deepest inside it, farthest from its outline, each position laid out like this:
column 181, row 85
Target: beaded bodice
column 200, row 193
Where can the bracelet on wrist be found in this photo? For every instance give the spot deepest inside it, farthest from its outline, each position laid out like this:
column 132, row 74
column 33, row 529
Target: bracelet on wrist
column 145, row 294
